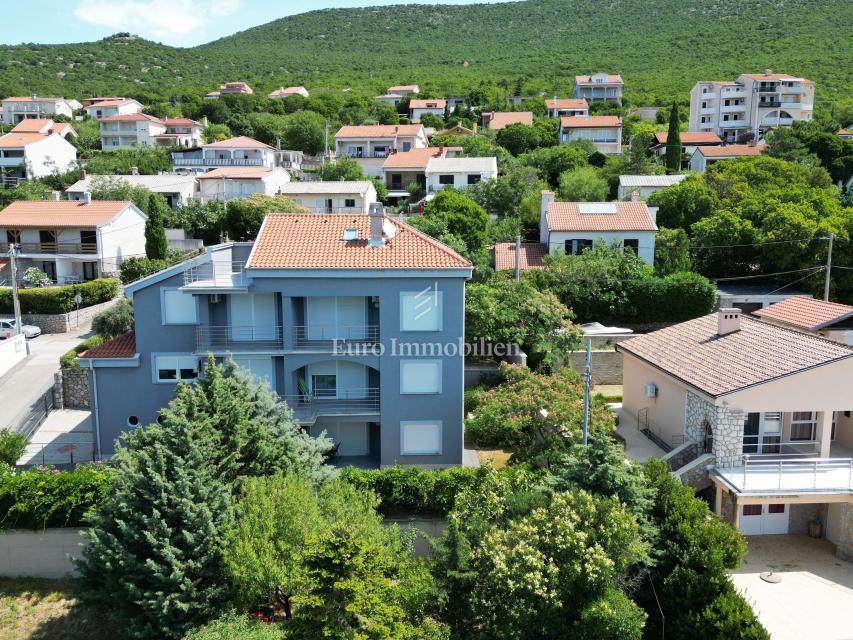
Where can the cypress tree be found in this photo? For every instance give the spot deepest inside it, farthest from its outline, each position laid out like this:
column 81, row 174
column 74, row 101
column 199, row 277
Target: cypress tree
column 673, row 142
column 156, row 245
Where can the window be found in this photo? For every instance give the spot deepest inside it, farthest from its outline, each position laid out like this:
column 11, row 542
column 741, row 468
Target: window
column 775, row 508
column 178, row 307
column 445, row 179
column 803, row 425
column 349, row 203
column 704, row 105
column 324, row 386
column 13, row 236
column 420, row 437
column 171, row 368
column 632, row 245
column 132, row 421
column 752, row 509
column 420, row 376
column 474, row 178
column 407, row 146
column 576, row 247
column 421, row 310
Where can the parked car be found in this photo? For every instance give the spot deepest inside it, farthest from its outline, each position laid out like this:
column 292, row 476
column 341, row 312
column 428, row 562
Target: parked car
column 7, row 330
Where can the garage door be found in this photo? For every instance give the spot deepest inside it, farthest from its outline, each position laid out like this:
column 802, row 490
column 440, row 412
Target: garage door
column 764, row 519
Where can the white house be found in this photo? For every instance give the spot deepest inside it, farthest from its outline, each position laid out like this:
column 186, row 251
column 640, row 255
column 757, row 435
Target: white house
column 285, row 92
column 231, row 183
column 130, row 130
column 113, row 107
column 177, row 189
column 332, row 196
column 369, row 145
column 804, row 313
column 16, row 109
column 73, row 241
column 705, row 156
column 403, row 168
column 605, row 132
column 458, row 172
column 568, row 107
column 391, row 99
column 241, row 151
column 573, row 226
column 404, row 89
column 418, row 108
column 36, row 148
column 181, row 132
column 645, row 186
column 599, row 86
column 229, row 88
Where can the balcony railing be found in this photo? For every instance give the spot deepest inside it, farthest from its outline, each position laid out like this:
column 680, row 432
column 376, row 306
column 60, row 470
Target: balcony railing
column 327, row 336
column 238, row 338
column 365, row 154
column 217, row 274
column 783, row 474
column 309, row 406
column 733, row 124
column 770, row 103
column 217, row 162
column 336, row 209
column 52, row 247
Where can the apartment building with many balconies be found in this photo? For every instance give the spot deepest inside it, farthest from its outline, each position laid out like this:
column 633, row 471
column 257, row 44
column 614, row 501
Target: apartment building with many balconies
column 751, row 105
column 241, row 151
column 354, row 320
column 19, row 108
column 599, row 86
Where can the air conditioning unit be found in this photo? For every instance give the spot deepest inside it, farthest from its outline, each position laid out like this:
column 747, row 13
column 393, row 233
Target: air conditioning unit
column 651, row 390
column 215, row 297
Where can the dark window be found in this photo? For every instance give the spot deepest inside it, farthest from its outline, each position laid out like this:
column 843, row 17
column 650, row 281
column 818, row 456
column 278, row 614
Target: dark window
column 13, row 236
column 189, row 374
column 396, row 180
column 167, row 374
column 727, row 103
column 325, row 386
column 473, row 178
column 752, row 509
column 349, row 203
column 632, row 245
column 132, row 421
column 445, row 179
column 775, row 508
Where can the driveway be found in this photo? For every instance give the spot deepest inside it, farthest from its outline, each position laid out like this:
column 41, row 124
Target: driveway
column 814, row 598
column 24, row 384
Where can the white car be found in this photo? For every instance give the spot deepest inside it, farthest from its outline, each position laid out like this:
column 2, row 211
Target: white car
column 7, row 330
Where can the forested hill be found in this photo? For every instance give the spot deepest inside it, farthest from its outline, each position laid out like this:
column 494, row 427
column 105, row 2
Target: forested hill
column 661, row 48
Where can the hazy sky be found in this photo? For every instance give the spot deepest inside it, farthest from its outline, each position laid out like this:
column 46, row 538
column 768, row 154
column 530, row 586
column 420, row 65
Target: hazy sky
column 174, row 22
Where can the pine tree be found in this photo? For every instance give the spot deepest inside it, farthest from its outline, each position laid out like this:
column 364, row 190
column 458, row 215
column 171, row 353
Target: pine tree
column 156, row 245
column 673, row 142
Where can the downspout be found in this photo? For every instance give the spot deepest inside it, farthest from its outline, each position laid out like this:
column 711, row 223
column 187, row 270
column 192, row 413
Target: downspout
column 95, row 412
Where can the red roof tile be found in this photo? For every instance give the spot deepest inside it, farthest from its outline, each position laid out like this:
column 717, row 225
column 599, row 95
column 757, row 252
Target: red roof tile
column 568, row 103
column 378, row 130
column 690, row 137
column 235, row 172
column 414, row 158
column 123, row 346
column 611, row 79
column 240, row 142
column 806, row 313
column 501, row 119
column 130, row 117
column 64, row 213
column 732, row 150
column 531, row 255
column 600, row 216
column 427, row 103
column 580, row 122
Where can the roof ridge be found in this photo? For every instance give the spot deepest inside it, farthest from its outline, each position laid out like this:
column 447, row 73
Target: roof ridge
column 797, row 332
column 430, row 239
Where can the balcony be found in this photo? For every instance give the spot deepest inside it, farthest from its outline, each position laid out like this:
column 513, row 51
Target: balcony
column 217, row 162
column 329, row 337
column 741, row 108
column 336, row 209
column 782, row 474
column 365, row 154
column 769, row 104
column 776, row 122
column 238, row 339
column 308, row 407
column 733, row 124
column 53, row 247
column 216, row 276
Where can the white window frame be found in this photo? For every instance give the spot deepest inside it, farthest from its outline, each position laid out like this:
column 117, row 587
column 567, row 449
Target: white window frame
column 404, row 424
column 418, row 362
column 155, row 367
column 812, row 421
column 164, row 291
column 404, row 295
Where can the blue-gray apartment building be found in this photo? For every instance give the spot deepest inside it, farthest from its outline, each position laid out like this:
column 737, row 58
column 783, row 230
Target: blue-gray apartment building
column 356, row 321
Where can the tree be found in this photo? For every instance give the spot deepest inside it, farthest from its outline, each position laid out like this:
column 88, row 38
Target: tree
column 433, row 121
column 156, row 244
column 116, row 320
column 503, row 196
column 552, row 162
column 583, row 184
column 344, row 168
column 673, row 142
column 640, row 161
column 517, row 138
column 244, row 216
column 145, row 160
column 785, row 144
column 722, row 245
column 682, row 204
column 116, row 188
column 12, row 446
column 465, row 218
column 672, row 251
column 305, row 131
column 204, row 220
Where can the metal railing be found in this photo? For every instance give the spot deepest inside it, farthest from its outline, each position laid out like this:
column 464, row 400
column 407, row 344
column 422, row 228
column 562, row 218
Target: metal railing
column 225, row 274
column 366, row 154
column 52, row 247
column 27, row 423
column 801, row 474
column 217, row 162
column 655, row 433
column 769, row 447
column 309, row 406
column 325, row 336
column 238, row 338
column 336, row 209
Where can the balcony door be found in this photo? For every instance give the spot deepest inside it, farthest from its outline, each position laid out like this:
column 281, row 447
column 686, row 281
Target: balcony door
column 253, row 317
column 336, row 318
column 762, row 432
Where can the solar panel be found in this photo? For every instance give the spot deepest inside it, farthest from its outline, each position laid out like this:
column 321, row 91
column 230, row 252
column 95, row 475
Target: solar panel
column 596, row 207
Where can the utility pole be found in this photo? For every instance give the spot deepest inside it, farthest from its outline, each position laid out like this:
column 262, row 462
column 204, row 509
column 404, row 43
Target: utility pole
column 587, row 380
column 828, row 267
column 16, row 303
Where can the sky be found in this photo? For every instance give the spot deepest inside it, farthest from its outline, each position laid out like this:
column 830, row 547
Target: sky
column 175, row 22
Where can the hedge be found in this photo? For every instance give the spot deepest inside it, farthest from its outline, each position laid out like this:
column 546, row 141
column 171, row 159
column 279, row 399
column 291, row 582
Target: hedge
column 68, row 360
column 677, row 297
column 53, row 300
column 40, row 497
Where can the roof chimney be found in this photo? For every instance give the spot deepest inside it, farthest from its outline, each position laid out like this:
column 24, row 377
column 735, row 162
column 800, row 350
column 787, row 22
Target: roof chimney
column 83, row 174
column 87, row 197
column 134, row 171
column 635, row 196
column 377, row 219
column 728, row 320
column 768, row 72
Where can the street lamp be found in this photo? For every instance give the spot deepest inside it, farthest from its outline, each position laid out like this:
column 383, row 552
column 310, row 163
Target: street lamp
column 594, row 330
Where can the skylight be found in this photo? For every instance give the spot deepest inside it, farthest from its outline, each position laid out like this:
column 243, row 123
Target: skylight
column 350, row 234
column 597, row 207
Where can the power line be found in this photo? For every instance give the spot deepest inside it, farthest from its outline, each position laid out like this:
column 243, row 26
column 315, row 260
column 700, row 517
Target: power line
column 756, row 244
column 808, row 275
column 765, row 275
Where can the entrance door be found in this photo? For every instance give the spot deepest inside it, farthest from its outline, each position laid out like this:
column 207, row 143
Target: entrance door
column 764, row 519
column 49, row 267
column 90, row 270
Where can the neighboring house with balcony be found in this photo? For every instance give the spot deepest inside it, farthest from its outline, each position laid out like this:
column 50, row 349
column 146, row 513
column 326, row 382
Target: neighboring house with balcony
column 391, row 99
column 705, row 156
column 241, row 151
column 599, row 86
column 16, row 109
column 231, row 183
column 644, row 186
column 36, row 148
column 566, row 107
column 690, row 141
column 758, row 412
column 176, row 189
column 571, row 227
column 131, row 130
column 73, row 241
column 331, row 311
column 332, row 196
column 113, row 107
column 605, row 132
column 460, row 173
column 286, row 92
column 404, row 89
column 181, row 132
column 369, row 145
column 751, row 105
column 418, row 108
column 230, row 88
column 497, row 120
column 804, row 313
column 403, row 168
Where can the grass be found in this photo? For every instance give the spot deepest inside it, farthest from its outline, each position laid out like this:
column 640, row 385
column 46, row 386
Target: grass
column 38, row 609
column 610, row 392
column 497, row 458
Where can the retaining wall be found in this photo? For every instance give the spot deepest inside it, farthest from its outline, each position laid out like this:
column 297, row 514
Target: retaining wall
column 64, row 322
column 605, row 366
column 71, row 389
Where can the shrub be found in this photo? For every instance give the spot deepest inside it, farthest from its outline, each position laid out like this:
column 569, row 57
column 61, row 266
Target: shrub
column 12, row 446
column 136, row 268
column 35, row 277
column 236, row 627
column 114, row 321
column 61, row 299
column 40, row 497
column 68, row 360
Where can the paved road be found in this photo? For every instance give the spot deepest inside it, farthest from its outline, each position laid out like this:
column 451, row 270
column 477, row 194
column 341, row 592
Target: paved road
column 23, row 385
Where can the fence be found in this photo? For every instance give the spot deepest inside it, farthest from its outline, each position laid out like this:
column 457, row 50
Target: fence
column 38, row 411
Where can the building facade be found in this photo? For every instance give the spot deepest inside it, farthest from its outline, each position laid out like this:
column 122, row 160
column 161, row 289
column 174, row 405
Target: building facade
column 605, row 132
column 369, row 145
column 599, row 86
column 16, row 109
column 232, row 183
column 241, row 151
column 332, row 197
column 36, row 148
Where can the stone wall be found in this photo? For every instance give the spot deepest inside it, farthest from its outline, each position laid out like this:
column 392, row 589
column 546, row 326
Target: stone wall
column 605, row 366
column 71, row 389
column 682, row 454
column 64, row 322
column 842, row 526
column 726, row 425
column 801, row 514
column 695, row 473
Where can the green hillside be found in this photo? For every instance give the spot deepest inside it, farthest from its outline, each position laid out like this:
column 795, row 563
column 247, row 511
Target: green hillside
column 661, row 48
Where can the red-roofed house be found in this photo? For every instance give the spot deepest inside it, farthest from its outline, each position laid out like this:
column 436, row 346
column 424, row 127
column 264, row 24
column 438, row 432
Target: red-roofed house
column 369, row 145
column 705, row 156
column 418, row 108
column 403, row 168
column 829, row 319
column 574, row 226
column 19, row 108
column 113, row 107
column 568, row 107
column 35, row 148
column 231, row 183
column 599, row 86
column 497, row 120
column 240, row 151
column 181, row 132
column 229, row 88
column 690, row 140
column 130, row 130
column 404, row 89
column 286, row 92
column 605, row 132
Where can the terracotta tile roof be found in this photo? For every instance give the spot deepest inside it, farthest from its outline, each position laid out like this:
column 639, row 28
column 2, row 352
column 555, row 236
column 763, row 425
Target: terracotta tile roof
column 112, row 103
column 240, row 142
column 181, row 122
column 414, row 158
column 599, row 216
column 379, row 130
column 427, row 103
column 123, row 346
column 42, row 126
column 131, row 117
column 773, row 77
column 64, row 213
column 315, row 241
column 501, row 119
column 759, row 352
column 690, row 137
column 31, row 99
column 568, row 103
column 402, row 87
column 18, row 140
column 234, row 87
column 844, row 132
column 531, row 255
column 806, row 313
column 286, row 91
column 581, row 122
column 611, row 79
column 732, row 150
column 235, row 172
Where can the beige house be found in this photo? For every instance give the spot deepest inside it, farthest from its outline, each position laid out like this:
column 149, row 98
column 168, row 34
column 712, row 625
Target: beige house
column 497, row 120
column 403, row 168
column 232, row 183
column 605, row 132
column 599, row 86
column 758, row 412
column 703, row 157
column 803, row 313
column 369, row 145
